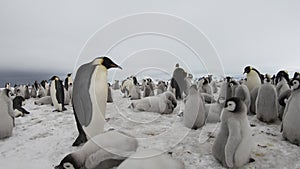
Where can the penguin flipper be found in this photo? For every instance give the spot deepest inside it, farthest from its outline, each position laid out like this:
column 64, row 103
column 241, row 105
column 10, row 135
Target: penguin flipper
column 82, row 136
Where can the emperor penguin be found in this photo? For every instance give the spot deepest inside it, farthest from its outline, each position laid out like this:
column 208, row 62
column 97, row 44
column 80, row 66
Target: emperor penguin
column 266, row 102
column 18, row 102
column 178, row 81
column 226, row 90
column 90, row 97
column 233, row 84
column 33, row 92
column 296, row 75
column 7, row 113
column 194, row 114
column 7, row 86
column 214, row 111
column 68, row 88
column 103, row 151
column 68, row 81
column 233, row 144
column 109, row 95
column 161, row 87
column 242, row 93
column 135, row 92
column 206, row 88
column 26, row 93
column 282, row 81
column 151, row 159
column 253, row 77
column 116, row 85
column 291, row 116
column 57, row 94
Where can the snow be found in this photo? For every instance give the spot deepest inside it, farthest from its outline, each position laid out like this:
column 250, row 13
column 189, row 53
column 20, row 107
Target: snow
column 42, row 138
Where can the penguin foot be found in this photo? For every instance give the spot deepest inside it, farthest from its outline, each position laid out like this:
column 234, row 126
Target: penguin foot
column 80, row 140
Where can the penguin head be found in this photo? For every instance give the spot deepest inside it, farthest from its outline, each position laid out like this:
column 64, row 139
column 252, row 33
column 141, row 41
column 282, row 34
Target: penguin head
column 69, row 74
column 54, row 78
column 8, row 93
column 283, row 74
column 295, row 84
column 296, row 75
column 267, row 78
column 233, row 83
column 247, row 69
column 69, row 162
column 228, row 79
column 106, row 62
column 233, row 104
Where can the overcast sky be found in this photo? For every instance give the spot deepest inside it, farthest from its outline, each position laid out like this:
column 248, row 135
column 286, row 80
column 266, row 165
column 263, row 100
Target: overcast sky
column 44, row 36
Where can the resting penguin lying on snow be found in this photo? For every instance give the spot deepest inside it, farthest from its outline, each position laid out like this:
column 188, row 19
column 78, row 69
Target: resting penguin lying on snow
column 18, row 102
column 43, row 101
column 151, row 159
column 7, row 120
column 103, row 151
column 163, row 103
column 233, row 143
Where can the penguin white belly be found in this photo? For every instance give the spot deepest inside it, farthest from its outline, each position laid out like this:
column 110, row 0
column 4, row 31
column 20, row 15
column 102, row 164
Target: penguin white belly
column 53, row 97
column 253, row 80
column 98, row 93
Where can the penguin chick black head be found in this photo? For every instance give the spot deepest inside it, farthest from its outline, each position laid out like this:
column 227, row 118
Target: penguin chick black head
column 106, row 62
column 69, row 162
column 295, row 84
column 296, row 75
column 8, row 93
column 233, row 104
column 267, row 78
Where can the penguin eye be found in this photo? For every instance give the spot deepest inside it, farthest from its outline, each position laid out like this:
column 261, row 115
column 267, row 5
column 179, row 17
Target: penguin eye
column 68, row 166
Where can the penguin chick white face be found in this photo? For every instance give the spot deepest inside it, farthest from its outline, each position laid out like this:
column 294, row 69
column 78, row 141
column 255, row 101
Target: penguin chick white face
column 295, row 84
column 233, row 104
column 9, row 94
column 106, row 62
column 68, row 163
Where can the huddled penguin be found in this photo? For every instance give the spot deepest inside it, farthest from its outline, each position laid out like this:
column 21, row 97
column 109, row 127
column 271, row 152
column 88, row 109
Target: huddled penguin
column 163, row 103
column 135, row 92
column 90, row 96
column 282, row 81
column 291, row 116
column 151, row 159
column 233, row 144
column 33, row 92
column 26, row 93
column 57, row 94
column 103, row 151
column 116, row 85
column 161, row 87
column 242, row 93
column 18, row 102
column 178, row 81
column 214, row 111
column 225, row 90
column 194, row 114
column 206, row 88
column 109, row 95
column 253, row 78
column 7, row 114
column 266, row 102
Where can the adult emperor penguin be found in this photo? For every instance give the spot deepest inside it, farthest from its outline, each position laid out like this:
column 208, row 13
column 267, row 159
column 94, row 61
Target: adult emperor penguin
column 233, row 143
column 266, row 102
column 253, row 78
column 89, row 97
column 291, row 116
column 104, row 151
column 151, row 159
column 57, row 94
column 194, row 115
column 6, row 113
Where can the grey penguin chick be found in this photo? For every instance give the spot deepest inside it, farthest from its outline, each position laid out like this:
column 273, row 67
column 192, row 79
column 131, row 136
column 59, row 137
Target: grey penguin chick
column 233, row 144
column 291, row 116
column 7, row 114
column 194, row 115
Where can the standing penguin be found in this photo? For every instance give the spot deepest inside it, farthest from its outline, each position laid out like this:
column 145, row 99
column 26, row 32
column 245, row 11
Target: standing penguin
column 253, row 77
column 90, row 96
column 33, row 92
column 116, row 85
column 7, row 114
column 291, row 116
column 68, row 81
column 26, row 93
column 109, row 96
column 135, row 92
column 233, row 143
column 57, row 94
column 242, row 93
column 178, row 81
column 282, row 81
column 266, row 102
column 226, row 90
column 194, row 114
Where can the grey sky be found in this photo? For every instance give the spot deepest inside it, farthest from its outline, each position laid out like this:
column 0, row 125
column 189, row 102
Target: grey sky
column 48, row 35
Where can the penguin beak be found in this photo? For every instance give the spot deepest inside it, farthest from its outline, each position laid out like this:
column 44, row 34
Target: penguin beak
column 116, row 66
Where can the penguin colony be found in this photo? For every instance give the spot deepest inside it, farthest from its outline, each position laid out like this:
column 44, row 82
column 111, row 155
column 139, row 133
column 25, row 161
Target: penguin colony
column 270, row 99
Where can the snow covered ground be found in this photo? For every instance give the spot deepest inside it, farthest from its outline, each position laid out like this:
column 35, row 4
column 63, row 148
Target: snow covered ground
column 42, row 138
